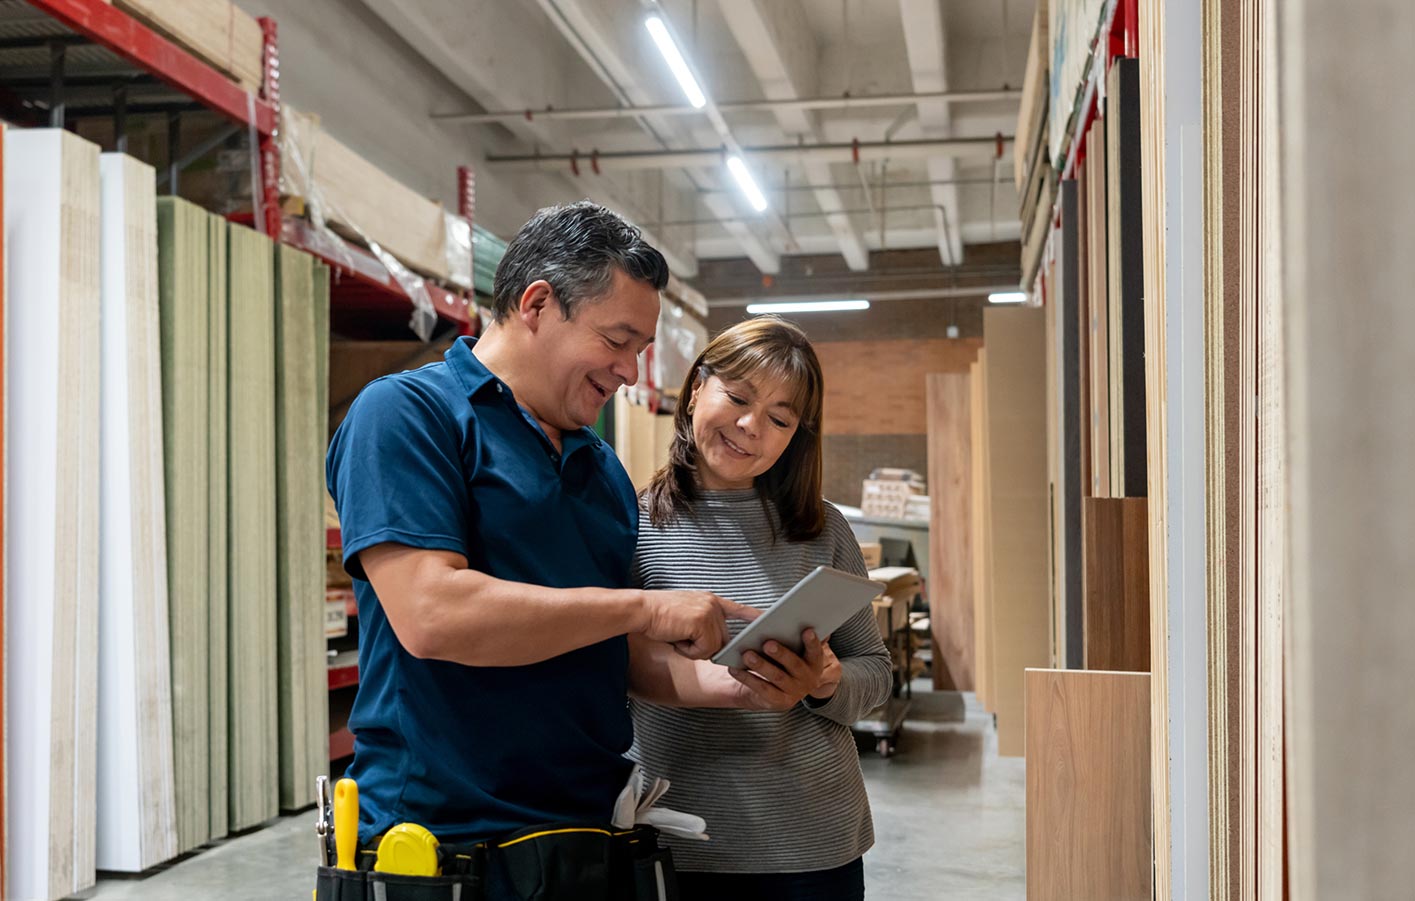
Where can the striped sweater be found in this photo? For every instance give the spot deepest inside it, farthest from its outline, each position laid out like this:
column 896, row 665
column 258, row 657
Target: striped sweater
column 781, row 791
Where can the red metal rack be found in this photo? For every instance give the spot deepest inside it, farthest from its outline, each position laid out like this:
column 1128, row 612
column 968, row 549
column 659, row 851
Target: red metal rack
column 366, row 300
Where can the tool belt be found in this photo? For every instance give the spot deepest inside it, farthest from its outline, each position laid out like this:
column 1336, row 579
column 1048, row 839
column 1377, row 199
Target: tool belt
column 555, row 862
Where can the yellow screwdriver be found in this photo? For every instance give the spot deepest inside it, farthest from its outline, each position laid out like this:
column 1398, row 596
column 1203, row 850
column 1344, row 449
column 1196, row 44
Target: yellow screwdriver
column 346, row 822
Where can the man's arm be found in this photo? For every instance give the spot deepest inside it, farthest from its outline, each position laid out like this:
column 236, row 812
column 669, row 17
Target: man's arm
column 779, row 681
column 441, row 610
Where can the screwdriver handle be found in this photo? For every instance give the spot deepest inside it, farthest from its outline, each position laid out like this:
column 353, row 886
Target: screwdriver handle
column 346, row 822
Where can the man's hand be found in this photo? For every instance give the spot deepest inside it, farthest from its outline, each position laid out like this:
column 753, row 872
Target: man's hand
column 780, row 679
column 694, row 622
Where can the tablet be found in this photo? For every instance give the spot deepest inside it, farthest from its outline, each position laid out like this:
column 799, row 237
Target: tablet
column 823, row 600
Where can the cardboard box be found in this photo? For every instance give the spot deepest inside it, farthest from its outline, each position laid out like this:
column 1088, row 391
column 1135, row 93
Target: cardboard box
column 873, row 553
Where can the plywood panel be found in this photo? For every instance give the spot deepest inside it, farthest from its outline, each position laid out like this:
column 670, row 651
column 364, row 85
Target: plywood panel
column 216, row 800
column 1088, row 786
column 136, row 818
column 1018, row 511
column 52, row 479
column 1096, row 314
column 950, row 530
column 982, row 561
column 1117, row 584
column 877, row 387
column 1072, row 263
column 1126, row 284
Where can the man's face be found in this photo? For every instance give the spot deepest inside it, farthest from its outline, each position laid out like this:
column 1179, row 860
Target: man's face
column 587, row 358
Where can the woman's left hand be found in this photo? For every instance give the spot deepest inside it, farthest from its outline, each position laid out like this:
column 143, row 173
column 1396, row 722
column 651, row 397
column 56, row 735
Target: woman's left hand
column 780, row 679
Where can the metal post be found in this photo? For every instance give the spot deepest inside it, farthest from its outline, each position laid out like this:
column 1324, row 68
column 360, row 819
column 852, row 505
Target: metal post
column 120, row 118
column 57, row 52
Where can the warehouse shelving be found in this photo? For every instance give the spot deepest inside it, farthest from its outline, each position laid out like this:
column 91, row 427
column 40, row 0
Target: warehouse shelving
column 91, row 44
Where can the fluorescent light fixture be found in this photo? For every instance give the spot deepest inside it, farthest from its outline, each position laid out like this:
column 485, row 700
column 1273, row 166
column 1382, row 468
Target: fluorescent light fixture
column 1007, row 297
column 808, row 306
column 676, row 62
column 746, row 183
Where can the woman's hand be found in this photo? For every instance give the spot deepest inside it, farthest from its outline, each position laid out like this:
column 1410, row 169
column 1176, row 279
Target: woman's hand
column 779, row 679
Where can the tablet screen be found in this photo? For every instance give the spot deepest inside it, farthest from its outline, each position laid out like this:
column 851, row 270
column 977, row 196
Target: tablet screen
column 823, row 600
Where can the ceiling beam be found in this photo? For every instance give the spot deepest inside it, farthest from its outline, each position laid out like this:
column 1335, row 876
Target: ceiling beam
column 596, row 29
column 458, row 47
column 777, row 40
column 925, row 40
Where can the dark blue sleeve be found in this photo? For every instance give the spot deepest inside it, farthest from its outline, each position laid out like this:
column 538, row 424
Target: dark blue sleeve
column 396, row 474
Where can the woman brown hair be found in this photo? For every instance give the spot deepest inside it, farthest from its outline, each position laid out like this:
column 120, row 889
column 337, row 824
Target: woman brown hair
column 762, row 346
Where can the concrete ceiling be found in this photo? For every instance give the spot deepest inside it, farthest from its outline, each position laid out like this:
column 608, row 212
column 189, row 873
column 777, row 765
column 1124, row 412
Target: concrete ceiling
column 575, row 54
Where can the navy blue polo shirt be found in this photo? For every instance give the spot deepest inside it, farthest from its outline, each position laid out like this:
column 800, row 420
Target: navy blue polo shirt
column 443, row 458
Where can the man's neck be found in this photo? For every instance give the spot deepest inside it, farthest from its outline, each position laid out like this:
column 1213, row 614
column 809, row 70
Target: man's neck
column 498, row 351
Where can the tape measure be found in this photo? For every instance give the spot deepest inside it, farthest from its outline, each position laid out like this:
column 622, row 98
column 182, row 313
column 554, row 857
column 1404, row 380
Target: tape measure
column 408, row 850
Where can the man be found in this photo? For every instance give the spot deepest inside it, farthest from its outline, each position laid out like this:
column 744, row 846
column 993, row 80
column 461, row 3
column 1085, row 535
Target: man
column 490, row 535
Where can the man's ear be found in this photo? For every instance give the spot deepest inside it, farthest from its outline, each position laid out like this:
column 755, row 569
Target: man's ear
column 536, row 301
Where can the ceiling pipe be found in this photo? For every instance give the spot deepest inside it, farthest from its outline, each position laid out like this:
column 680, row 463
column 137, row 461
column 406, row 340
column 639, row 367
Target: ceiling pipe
column 844, row 101
column 890, row 186
column 853, row 152
column 872, row 296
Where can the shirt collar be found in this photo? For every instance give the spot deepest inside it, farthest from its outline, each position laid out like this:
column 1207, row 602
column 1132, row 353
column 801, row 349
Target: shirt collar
column 475, row 377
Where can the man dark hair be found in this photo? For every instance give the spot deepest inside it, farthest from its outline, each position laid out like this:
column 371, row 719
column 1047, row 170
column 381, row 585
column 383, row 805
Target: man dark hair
column 575, row 248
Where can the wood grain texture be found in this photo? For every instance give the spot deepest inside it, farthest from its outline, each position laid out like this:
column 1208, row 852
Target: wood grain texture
column 877, row 387
column 1017, row 512
column 950, row 479
column 1117, row 584
column 982, row 533
column 1088, row 786
column 1349, row 328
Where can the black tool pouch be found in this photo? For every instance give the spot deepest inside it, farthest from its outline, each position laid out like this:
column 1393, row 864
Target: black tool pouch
column 367, row 885
column 585, row 863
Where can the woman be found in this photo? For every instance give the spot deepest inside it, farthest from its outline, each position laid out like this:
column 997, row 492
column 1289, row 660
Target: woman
column 765, row 755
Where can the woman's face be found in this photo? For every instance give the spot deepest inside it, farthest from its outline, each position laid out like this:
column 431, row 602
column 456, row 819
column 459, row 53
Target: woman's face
column 740, row 428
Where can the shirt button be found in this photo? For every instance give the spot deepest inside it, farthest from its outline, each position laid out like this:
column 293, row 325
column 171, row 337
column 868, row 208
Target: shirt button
column 498, row 387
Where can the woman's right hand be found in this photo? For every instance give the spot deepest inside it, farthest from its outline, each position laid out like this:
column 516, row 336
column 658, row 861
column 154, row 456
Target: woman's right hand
column 694, row 622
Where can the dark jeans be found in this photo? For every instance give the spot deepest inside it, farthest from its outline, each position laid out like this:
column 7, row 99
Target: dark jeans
column 845, row 883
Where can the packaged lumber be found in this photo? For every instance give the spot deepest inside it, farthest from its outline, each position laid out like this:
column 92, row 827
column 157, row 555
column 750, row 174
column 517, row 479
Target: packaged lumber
column 301, row 411
column 216, row 31
column 52, row 436
column 1029, row 148
column 1126, row 289
column 136, row 826
column 183, row 278
column 253, row 714
column 1117, row 584
column 1071, row 28
column 355, row 197
column 1088, row 785
column 951, row 529
column 1017, row 488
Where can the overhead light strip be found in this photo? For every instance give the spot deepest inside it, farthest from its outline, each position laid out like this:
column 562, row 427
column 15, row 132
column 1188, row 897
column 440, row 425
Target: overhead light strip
column 809, row 306
column 1007, row 297
column 745, row 181
column 676, row 62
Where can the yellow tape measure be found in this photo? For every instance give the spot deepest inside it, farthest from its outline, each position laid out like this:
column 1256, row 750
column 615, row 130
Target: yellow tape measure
column 408, row 850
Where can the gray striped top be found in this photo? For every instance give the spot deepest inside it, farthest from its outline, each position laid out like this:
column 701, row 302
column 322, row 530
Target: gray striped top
column 781, row 791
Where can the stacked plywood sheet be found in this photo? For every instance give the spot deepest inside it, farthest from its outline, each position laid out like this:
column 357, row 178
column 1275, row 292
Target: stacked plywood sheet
column 253, row 712
column 1088, row 786
column 1017, row 512
column 183, row 257
column 1035, row 176
column 1095, row 314
column 982, row 532
column 1116, row 584
column 52, row 439
column 362, row 201
column 218, row 525
column 216, row 31
column 950, row 529
column 136, row 819
column 1126, row 327
column 1067, row 490
column 301, row 411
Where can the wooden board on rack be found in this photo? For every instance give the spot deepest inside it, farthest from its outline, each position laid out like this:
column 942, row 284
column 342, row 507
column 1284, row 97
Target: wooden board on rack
column 183, row 280
column 1071, row 263
column 1117, row 584
column 1125, row 260
column 52, row 201
column 253, row 713
column 982, row 561
column 363, row 202
column 136, row 819
column 216, row 31
column 1017, row 511
column 301, row 408
column 1095, row 313
column 950, row 530
column 1088, row 785
column 1031, row 139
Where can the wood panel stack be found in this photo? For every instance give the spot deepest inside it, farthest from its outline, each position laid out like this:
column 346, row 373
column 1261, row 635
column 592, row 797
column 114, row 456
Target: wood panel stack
column 136, row 819
column 253, row 714
column 218, row 443
column 1117, row 589
column 216, row 31
column 1088, row 786
column 52, row 425
column 301, row 413
column 1017, row 512
column 950, row 530
column 1095, row 315
column 982, row 532
column 1034, row 173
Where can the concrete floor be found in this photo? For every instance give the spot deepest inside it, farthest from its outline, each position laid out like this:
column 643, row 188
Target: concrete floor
column 948, row 812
